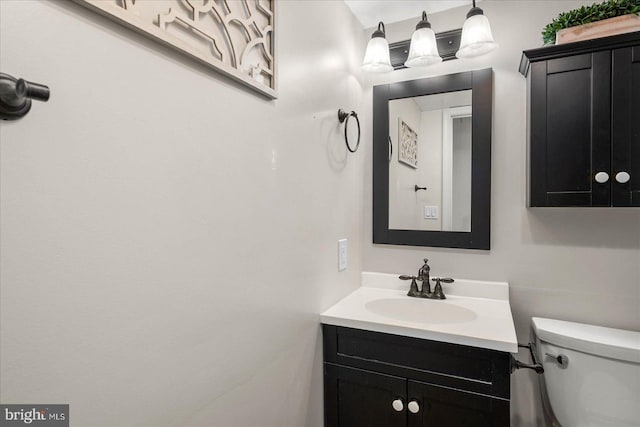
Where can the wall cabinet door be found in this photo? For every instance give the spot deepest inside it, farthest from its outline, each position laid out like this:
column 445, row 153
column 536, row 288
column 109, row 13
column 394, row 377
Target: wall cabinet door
column 441, row 406
column 570, row 140
column 584, row 126
column 356, row 398
column 625, row 104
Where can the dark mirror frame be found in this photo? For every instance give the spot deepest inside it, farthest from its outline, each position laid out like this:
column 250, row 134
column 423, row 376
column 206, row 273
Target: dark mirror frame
column 481, row 84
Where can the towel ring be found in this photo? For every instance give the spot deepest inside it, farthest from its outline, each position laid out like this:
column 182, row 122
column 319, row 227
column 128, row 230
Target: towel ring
column 343, row 116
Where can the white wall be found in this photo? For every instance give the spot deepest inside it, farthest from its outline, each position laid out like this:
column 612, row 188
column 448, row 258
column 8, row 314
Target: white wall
column 574, row 264
column 402, row 196
column 168, row 237
column 461, row 174
column 431, row 169
column 406, row 206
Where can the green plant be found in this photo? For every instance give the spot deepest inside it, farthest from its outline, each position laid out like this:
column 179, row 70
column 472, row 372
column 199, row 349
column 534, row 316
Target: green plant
column 587, row 14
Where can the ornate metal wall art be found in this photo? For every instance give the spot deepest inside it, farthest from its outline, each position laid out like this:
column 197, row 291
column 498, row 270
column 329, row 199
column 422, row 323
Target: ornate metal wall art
column 235, row 37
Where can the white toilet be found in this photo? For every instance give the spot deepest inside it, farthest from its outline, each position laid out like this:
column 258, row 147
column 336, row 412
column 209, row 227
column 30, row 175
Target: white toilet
column 591, row 374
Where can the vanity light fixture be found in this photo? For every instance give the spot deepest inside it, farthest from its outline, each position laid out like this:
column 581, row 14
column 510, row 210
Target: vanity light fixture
column 476, row 35
column 427, row 48
column 423, row 50
column 376, row 57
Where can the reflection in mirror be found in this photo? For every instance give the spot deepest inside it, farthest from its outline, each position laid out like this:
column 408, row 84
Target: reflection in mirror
column 432, row 161
column 430, row 167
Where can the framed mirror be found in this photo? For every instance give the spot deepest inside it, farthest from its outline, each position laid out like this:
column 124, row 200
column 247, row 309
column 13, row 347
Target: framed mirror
column 432, row 161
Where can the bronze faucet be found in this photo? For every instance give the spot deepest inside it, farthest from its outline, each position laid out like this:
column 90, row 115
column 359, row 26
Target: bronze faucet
column 423, row 276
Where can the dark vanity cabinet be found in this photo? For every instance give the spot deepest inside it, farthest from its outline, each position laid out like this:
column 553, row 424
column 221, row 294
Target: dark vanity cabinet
column 375, row 379
column 584, row 122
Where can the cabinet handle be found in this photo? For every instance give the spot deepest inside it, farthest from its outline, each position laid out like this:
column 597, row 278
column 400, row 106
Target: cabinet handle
column 397, row 404
column 602, row 177
column 414, row 407
column 623, row 177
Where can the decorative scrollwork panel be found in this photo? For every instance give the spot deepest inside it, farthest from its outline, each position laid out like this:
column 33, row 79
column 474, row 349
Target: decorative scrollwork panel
column 235, row 37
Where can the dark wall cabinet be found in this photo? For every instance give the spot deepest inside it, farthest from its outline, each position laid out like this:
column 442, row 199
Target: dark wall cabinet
column 374, row 379
column 584, row 122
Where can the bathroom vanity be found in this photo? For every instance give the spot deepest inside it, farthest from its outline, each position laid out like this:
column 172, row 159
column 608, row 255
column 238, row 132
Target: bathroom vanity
column 391, row 360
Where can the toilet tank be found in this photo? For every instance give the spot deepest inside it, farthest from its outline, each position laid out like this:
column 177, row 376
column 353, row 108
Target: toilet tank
column 600, row 383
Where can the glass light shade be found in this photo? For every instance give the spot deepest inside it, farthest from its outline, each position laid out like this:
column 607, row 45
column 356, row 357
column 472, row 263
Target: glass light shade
column 376, row 57
column 476, row 37
column 424, row 49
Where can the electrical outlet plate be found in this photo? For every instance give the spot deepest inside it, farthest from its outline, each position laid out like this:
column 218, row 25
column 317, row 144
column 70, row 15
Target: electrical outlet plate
column 342, row 254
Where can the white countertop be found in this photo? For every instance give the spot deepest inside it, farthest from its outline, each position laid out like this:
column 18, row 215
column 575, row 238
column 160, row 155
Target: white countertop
column 484, row 314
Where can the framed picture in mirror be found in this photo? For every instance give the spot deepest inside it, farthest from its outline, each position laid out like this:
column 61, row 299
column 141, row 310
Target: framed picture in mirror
column 408, row 150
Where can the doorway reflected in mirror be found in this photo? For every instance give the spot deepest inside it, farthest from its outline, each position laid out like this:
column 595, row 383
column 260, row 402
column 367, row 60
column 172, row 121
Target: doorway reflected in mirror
column 435, row 130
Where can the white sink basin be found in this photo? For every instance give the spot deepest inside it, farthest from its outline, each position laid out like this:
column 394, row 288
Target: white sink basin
column 420, row 310
column 475, row 313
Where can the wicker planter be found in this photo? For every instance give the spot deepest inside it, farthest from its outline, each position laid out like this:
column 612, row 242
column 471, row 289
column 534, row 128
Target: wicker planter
column 606, row 27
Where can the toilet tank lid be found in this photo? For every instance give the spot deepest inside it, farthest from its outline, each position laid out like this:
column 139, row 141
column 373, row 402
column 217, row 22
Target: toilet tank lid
column 606, row 342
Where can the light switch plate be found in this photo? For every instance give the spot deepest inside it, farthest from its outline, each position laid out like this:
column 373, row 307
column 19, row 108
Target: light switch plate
column 342, row 254
column 430, row 212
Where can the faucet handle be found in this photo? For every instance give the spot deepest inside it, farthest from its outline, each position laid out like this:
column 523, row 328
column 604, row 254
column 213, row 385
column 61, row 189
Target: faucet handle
column 443, row 279
column 413, row 290
column 437, row 291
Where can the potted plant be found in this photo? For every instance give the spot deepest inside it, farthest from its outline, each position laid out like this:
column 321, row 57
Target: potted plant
column 598, row 20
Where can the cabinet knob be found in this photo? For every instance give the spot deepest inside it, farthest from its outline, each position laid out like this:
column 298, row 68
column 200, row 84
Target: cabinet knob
column 398, row 405
column 623, row 177
column 602, row 177
column 414, row 407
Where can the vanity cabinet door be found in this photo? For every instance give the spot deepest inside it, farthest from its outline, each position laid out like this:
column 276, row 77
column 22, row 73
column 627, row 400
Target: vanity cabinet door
column 357, row 398
column 570, row 135
column 626, row 127
column 443, row 407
